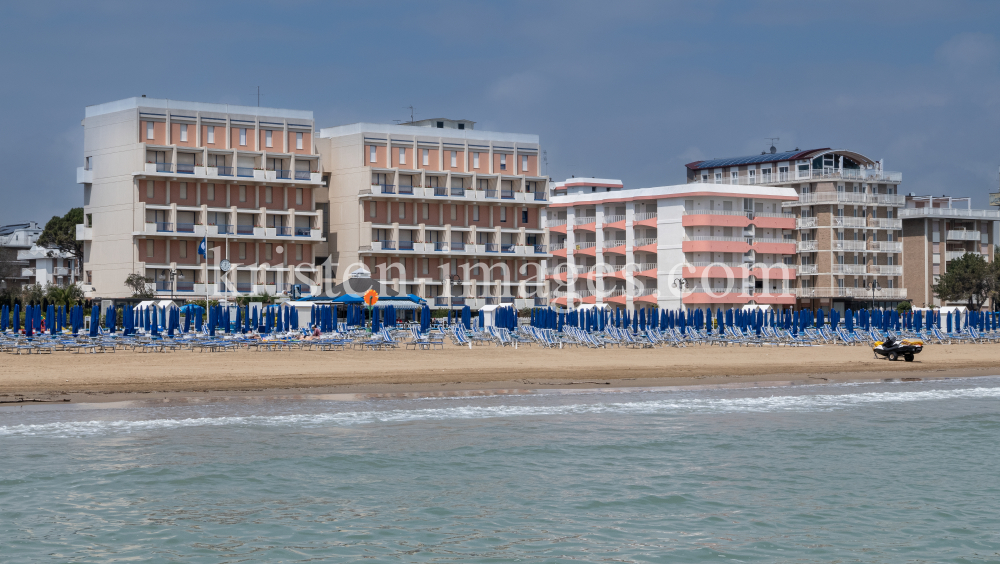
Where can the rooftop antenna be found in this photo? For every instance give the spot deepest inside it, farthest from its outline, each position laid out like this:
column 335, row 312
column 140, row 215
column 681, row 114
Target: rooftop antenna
column 772, row 140
column 545, row 161
column 258, row 96
column 411, row 112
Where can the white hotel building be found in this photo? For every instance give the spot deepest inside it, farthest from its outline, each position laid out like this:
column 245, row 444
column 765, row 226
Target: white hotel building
column 159, row 175
column 690, row 245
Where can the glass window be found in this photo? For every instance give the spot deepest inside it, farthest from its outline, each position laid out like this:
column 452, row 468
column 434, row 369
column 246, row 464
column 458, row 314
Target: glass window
column 149, row 130
column 475, row 213
column 503, row 162
column 149, row 189
column 183, row 248
column 475, row 160
column 426, row 157
column 372, row 209
column 211, row 134
column 402, row 156
column 267, row 194
column 298, row 196
column 149, row 248
column 454, row 159
column 210, row 192
column 267, row 138
column 298, row 140
column 243, row 136
column 184, row 133
column 183, row 189
column 243, row 193
column 372, row 153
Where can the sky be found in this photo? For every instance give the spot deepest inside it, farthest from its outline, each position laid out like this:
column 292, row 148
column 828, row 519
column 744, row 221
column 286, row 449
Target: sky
column 629, row 90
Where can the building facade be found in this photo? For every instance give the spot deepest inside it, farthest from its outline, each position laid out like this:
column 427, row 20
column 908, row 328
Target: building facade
column 848, row 231
column 159, row 176
column 689, row 245
column 437, row 209
column 28, row 263
column 936, row 231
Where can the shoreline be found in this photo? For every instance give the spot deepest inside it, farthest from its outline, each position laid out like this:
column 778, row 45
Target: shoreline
column 188, row 377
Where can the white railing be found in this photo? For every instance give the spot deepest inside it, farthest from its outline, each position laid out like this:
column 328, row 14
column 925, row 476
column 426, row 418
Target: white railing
column 806, row 246
column 554, row 222
column 646, row 292
column 952, row 255
column 861, row 293
column 963, row 235
column 583, row 220
column 60, row 271
column 585, row 245
column 885, row 269
column 807, row 269
column 644, row 266
column 848, row 269
column 644, row 216
column 948, row 212
column 613, row 218
column 783, row 215
column 716, row 212
column 839, row 245
column 850, row 222
column 885, row 223
column 860, row 175
column 557, row 246
column 772, row 240
column 699, row 264
column 848, row 198
column 714, row 238
column 612, row 243
column 643, row 242
column 806, row 222
column 885, row 246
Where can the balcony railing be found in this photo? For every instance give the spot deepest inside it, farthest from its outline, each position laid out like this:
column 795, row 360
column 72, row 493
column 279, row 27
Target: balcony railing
column 281, row 174
column 302, row 232
column 491, row 193
column 405, row 245
column 492, row 248
column 406, row 189
column 457, row 191
column 612, row 243
column 644, row 216
column 886, row 269
column 839, row 245
column 807, row 269
column 282, row 231
column 507, row 247
column 646, row 241
column 712, row 238
column 441, row 301
column 442, row 246
column 244, row 171
column 507, row 194
column 164, row 226
column 457, row 245
column 885, row 223
column 963, row 235
column 580, row 245
column 225, row 229
column 952, row 255
column 489, row 300
column 506, row 299
column 163, row 286
column 185, row 168
column 554, row 222
column 388, row 245
column 849, row 222
column 164, row 167
column 60, row 271
column 861, row 175
column 644, row 266
column 848, row 269
column 384, row 188
column 885, row 246
column 185, row 228
column 540, row 197
column 244, row 229
column 848, row 198
column 302, row 175
column 557, row 246
column 244, row 287
column 806, row 246
column 225, row 170
column 948, row 212
column 185, row 286
column 539, row 249
column 441, row 191
column 613, row 219
column 806, row 222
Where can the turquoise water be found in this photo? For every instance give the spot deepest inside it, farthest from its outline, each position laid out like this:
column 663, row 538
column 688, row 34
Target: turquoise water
column 837, row 473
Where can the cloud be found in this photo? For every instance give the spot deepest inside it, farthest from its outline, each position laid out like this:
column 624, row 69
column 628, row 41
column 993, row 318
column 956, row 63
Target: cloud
column 970, row 51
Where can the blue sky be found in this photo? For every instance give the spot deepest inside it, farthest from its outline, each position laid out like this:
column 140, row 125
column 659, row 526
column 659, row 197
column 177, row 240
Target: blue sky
column 629, row 90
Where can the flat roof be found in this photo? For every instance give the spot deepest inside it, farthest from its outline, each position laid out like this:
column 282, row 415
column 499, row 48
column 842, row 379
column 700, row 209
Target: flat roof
column 137, row 102
column 677, row 191
column 411, row 131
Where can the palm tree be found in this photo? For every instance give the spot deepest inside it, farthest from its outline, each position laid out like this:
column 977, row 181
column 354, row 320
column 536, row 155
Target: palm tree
column 68, row 295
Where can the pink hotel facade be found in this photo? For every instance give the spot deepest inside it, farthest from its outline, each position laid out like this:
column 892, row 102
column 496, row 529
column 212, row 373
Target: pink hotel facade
column 159, row 175
column 689, row 245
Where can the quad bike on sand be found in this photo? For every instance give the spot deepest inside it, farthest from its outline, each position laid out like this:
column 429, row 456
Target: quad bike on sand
column 893, row 349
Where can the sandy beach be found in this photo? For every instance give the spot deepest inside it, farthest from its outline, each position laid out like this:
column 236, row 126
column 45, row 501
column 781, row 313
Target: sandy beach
column 131, row 375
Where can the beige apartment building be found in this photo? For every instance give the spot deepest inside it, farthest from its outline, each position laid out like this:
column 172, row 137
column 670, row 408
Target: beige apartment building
column 936, row 231
column 160, row 176
column 437, row 209
column 848, row 231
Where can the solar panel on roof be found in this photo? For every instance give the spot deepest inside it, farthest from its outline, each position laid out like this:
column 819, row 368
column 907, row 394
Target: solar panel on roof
column 755, row 159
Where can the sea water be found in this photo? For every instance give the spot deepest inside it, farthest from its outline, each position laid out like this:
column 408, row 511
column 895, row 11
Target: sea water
column 890, row 472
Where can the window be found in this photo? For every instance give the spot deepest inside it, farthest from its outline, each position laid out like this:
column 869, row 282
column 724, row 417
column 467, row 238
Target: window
column 210, row 192
column 243, row 136
column 503, row 214
column 524, row 163
column 524, row 215
column 475, row 213
column 718, row 178
column 402, row 156
column 454, row 212
column 402, row 210
column 183, row 191
column 88, row 164
column 372, row 154
column 149, row 189
column 475, row 160
column 454, row 159
column 298, row 252
column 243, row 250
column 184, row 133
column 424, row 266
column 267, row 251
column 149, row 248
column 734, row 176
column 426, row 159
column 267, row 138
column 425, row 211
column 298, row 140
column 183, row 248
column 372, row 209
column 503, row 162
column 688, row 205
column 149, row 130
column 243, row 193
column 267, row 194
column 440, row 125
column 753, row 176
column 211, row 134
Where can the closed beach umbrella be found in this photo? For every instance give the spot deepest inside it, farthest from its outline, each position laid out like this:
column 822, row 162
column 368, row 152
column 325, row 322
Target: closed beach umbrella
column 820, row 318
column 16, row 318
column 95, row 320
column 50, row 319
column 949, row 322
column 29, row 320
column 849, row 320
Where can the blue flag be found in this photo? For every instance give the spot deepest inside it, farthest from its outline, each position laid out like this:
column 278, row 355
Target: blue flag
column 203, row 247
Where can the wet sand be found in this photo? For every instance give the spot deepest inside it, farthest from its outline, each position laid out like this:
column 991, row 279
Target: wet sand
column 129, row 375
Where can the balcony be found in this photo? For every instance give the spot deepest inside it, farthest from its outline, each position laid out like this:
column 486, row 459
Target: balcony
column 405, row 245
column 163, row 286
column 226, row 229
column 612, row 219
column 848, row 198
column 857, row 293
column 948, row 212
column 60, row 271
column 952, row 255
column 861, row 175
column 843, row 245
column 282, row 231
column 885, row 269
column 280, row 174
column 885, row 223
column 388, row 245
column 84, row 233
column 164, row 167
column 244, row 229
column 506, row 247
column 27, row 272
column 644, row 216
column 886, row 246
column 244, row 287
column 963, row 235
column 613, row 243
column 185, row 286
column 807, row 269
column 185, row 168
column 164, row 227
column 185, row 228
column 225, row 170
column 539, row 197
column 848, row 269
column 492, row 248
column 806, row 222
column 303, row 175
column 84, row 175
column 303, row 232
column 555, row 222
column 848, row 222
column 244, row 172
column 383, row 188
column 649, row 241
column 406, row 189
column 806, row 246
column 539, row 249
column 491, row 193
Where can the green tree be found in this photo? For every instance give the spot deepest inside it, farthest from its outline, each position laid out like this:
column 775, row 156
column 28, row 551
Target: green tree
column 60, row 233
column 68, row 295
column 970, row 279
column 137, row 283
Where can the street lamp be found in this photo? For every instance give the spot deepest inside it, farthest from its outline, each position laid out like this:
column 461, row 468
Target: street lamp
column 874, row 287
column 173, row 278
column 679, row 283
